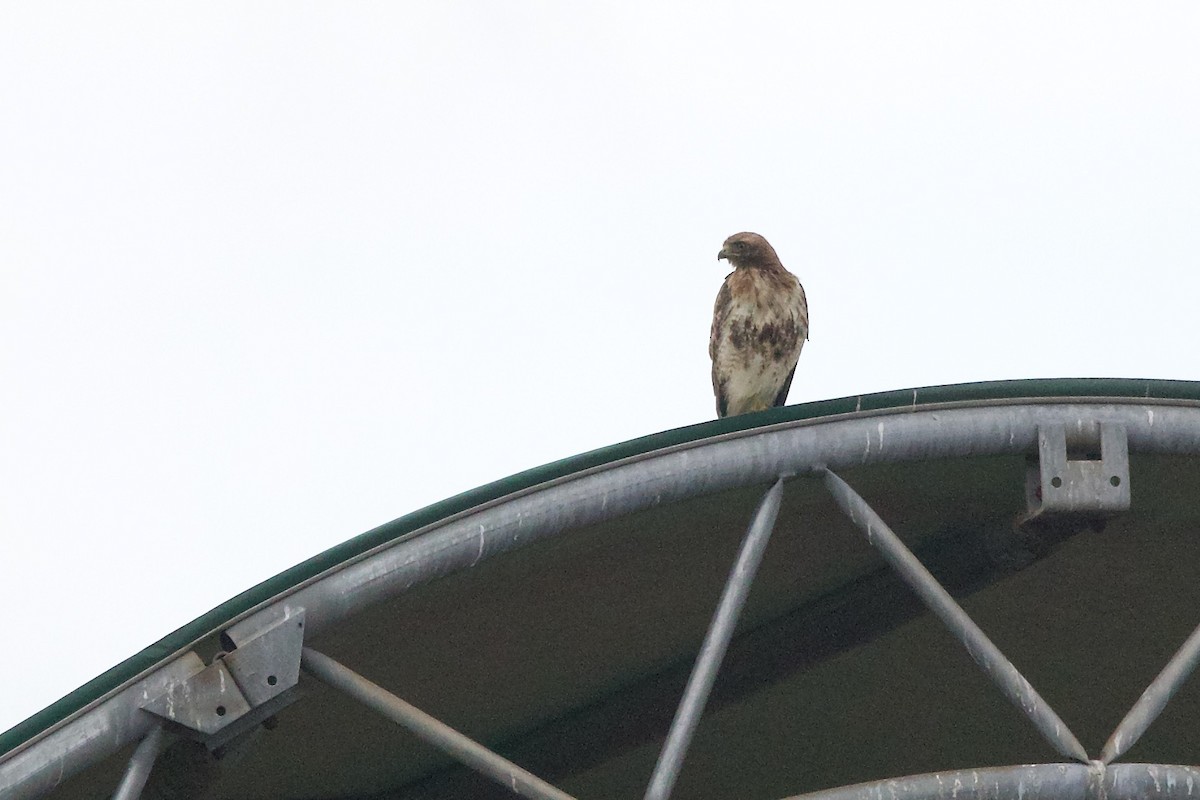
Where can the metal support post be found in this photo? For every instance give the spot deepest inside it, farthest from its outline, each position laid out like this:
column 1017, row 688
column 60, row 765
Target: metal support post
column 1154, row 699
column 939, row 601
column 431, row 730
column 140, row 764
column 715, row 643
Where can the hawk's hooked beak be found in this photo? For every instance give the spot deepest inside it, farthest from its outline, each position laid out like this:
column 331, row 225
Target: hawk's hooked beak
column 722, row 254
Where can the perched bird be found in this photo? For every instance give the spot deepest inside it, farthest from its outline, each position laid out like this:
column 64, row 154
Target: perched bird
column 760, row 323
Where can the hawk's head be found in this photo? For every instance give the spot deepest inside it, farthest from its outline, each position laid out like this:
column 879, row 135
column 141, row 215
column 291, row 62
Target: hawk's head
column 749, row 250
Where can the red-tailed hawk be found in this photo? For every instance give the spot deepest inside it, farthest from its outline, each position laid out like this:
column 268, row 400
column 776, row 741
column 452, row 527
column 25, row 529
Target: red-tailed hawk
column 760, row 323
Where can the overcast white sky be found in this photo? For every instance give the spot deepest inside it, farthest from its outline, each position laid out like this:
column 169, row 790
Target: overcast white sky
column 272, row 274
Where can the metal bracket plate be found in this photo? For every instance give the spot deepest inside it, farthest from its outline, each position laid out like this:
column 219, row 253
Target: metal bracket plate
column 1090, row 487
column 240, row 689
column 204, row 703
column 269, row 664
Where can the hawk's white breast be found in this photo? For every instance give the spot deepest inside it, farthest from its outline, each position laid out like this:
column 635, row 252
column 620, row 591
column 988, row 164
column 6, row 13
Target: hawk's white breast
column 758, row 344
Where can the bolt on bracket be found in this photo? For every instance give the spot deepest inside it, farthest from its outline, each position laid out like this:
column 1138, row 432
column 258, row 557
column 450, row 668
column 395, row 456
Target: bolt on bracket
column 240, row 689
column 1089, row 487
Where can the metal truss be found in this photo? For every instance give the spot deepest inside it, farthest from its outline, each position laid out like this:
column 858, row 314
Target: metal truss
column 1086, row 780
column 219, row 704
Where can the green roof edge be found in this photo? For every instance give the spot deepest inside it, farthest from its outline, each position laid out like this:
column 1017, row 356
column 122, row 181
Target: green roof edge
column 222, row 615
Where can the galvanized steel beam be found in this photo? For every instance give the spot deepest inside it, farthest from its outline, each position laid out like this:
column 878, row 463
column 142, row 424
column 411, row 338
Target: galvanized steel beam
column 1027, row 782
column 1014, row 685
column 707, row 466
column 611, row 490
column 110, row 725
column 716, row 641
column 1092, row 781
column 428, row 728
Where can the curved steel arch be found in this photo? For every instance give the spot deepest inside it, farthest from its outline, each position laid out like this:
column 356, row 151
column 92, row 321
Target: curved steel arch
column 759, row 456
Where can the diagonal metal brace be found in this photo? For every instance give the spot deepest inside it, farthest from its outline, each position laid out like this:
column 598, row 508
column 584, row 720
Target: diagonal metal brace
column 716, row 641
column 140, row 764
column 1002, row 672
column 1154, row 699
column 428, row 728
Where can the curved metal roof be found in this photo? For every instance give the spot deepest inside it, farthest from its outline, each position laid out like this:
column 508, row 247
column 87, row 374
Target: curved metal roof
column 609, row 616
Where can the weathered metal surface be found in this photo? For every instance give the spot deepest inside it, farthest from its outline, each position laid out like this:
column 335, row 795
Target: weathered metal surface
column 238, row 690
column 708, row 466
column 1027, row 782
column 203, row 703
column 119, row 720
column 268, row 664
column 1081, row 486
column 1092, row 781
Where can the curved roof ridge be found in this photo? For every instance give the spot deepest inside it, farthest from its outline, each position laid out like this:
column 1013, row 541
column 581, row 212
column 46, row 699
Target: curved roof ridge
column 897, row 400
